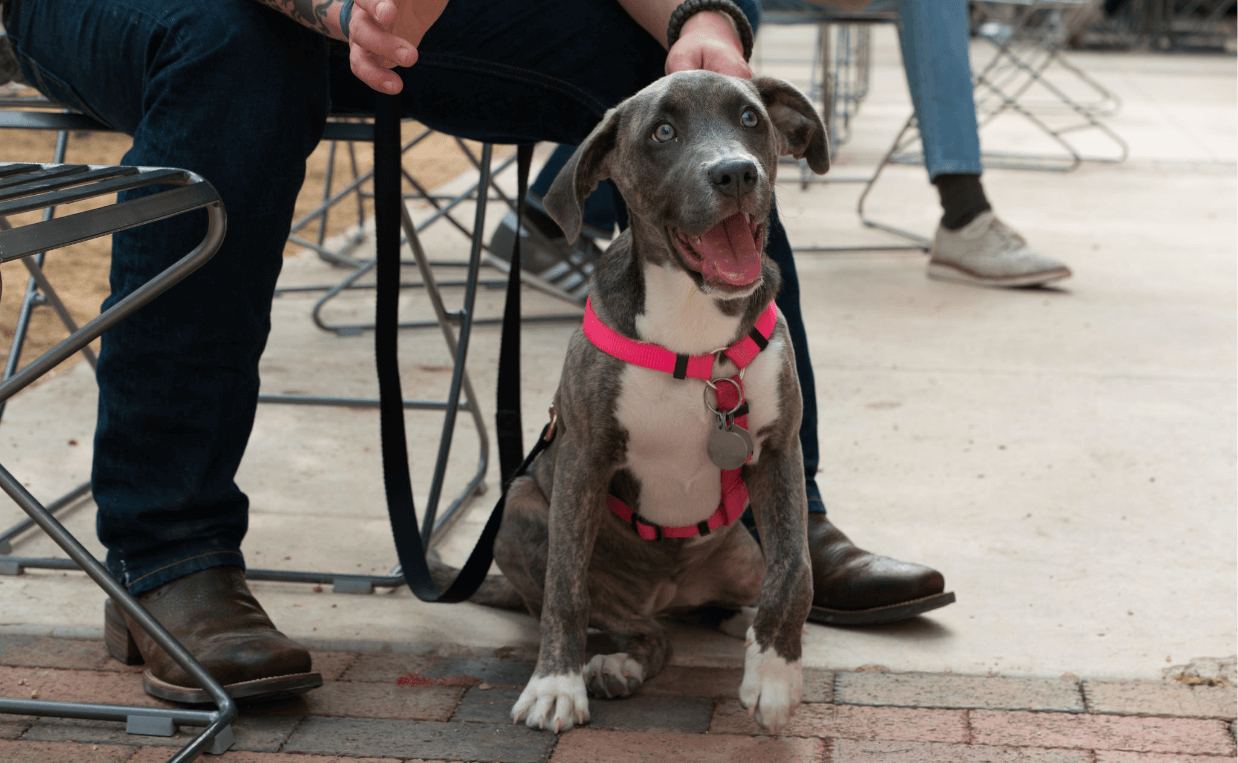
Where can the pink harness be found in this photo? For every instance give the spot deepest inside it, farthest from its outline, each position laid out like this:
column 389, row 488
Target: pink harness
column 657, row 358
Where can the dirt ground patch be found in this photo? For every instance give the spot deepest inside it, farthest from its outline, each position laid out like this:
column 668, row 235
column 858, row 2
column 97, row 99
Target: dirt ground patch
column 79, row 273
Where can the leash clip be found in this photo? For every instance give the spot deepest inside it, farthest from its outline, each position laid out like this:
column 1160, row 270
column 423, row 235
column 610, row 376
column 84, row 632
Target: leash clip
column 550, row 428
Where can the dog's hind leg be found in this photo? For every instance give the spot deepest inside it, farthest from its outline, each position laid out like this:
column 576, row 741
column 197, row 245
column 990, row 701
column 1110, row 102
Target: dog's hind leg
column 520, row 547
column 643, row 655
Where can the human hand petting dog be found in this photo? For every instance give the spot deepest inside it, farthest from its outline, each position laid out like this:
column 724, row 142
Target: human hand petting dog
column 708, row 41
column 384, row 34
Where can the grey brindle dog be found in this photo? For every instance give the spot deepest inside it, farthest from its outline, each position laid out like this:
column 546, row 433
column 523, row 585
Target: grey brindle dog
column 695, row 156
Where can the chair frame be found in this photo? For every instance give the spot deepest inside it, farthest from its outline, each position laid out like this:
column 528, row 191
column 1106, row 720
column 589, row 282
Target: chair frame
column 40, row 114
column 30, row 187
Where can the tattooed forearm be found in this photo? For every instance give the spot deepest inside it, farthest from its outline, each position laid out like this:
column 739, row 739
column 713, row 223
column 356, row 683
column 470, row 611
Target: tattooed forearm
column 323, row 16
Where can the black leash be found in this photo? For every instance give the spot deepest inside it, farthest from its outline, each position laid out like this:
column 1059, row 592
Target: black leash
column 396, row 478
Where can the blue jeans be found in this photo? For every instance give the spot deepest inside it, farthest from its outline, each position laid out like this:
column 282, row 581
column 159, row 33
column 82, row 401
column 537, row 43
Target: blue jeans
column 240, row 94
column 933, row 35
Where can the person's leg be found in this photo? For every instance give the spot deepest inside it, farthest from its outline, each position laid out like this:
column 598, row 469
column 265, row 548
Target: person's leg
column 779, row 249
column 238, row 94
column 934, row 41
column 971, row 245
column 850, row 585
column 601, row 210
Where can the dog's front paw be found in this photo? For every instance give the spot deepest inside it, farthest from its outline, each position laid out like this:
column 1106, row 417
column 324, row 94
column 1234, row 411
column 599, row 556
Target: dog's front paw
column 772, row 687
column 613, row 675
column 555, row 702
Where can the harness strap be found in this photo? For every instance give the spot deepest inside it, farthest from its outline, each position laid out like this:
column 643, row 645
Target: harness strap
column 734, row 491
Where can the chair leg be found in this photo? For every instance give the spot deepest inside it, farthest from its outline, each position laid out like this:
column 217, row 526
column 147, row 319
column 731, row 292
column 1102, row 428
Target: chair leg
column 193, row 194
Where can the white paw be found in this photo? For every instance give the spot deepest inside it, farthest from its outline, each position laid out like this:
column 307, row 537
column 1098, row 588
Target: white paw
column 555, row 702
column 737, row 625
column 772, row 687
column 613, row 675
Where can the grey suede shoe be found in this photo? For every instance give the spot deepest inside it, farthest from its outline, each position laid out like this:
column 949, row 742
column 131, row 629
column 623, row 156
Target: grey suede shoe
column 987, row 252
column 562, row 266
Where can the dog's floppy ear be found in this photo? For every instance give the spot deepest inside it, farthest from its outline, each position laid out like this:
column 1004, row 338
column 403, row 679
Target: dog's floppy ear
column 800, row 131
column 582, row 173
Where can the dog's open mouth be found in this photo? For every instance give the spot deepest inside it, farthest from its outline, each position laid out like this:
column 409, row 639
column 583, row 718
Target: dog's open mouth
column 728, row 253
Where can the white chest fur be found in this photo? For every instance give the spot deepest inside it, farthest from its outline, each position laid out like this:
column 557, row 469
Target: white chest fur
column 666, row 419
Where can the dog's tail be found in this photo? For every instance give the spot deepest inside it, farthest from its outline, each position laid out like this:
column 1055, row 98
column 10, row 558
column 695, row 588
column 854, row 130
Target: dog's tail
column 495, row 591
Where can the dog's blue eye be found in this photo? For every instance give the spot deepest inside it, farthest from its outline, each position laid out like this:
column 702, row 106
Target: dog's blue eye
column 663, row 132
column 748, row 118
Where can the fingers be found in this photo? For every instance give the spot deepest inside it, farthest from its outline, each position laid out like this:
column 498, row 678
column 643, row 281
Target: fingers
column 378, row 39
column 374, row 70
column 373, row 50
column 384, row 11
column 715, row 56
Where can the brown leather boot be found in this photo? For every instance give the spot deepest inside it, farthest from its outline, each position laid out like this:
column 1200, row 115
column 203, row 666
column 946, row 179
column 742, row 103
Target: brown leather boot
column 853, row 587
column 215, row 617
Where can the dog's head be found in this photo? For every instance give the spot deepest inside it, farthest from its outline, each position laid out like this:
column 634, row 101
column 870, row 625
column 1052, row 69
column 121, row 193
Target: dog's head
column 695, row 156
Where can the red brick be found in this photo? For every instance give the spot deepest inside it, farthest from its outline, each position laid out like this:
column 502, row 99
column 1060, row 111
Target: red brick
column 852, row 722
column 386, row 668
column 1100, row 732
column 939, row 690
column 1161, row 699
column 332, row 664
column 102, row 686
column 63, row 752
column 595, row 746
column 719, row 683
column 342, row 699
column 160, row 755
column 381, row 668
column 1109, row 756
column 853, row 751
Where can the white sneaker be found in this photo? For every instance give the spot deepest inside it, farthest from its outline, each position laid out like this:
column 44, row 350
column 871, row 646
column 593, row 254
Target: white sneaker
column 987, row 252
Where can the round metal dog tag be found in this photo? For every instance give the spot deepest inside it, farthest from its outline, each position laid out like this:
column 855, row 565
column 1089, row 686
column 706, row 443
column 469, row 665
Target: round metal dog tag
column 729, row 448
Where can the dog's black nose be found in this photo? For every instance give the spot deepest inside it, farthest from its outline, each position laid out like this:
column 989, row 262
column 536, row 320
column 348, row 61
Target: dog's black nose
column 734, row 176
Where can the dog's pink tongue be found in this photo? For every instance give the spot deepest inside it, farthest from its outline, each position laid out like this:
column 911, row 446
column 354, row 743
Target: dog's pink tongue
column 730, row 252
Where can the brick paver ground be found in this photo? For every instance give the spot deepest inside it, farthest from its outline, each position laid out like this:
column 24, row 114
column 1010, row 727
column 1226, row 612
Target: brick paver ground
column 409, row 709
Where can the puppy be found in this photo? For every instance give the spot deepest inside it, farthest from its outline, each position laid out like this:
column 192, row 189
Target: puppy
column 632, row 510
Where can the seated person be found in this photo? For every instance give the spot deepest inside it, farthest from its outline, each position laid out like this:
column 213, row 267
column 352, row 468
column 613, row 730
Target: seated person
column 239, row 91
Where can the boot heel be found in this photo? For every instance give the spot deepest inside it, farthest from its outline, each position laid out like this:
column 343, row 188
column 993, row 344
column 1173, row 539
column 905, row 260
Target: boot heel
column 116, row 636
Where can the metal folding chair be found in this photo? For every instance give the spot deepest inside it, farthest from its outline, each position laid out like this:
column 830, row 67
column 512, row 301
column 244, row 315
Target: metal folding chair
column 1174, row 25
column 444, row 207
column 838, row 73
column 33, row 187
column 839, row 80
column 1028, row 37
column 35, row 112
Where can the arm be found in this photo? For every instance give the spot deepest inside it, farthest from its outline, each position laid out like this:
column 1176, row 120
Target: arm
column 322, row 17
column 382, row 34
column 708, row 40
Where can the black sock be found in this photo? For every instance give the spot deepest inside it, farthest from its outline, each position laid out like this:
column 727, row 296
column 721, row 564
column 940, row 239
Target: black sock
column 962, row 199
